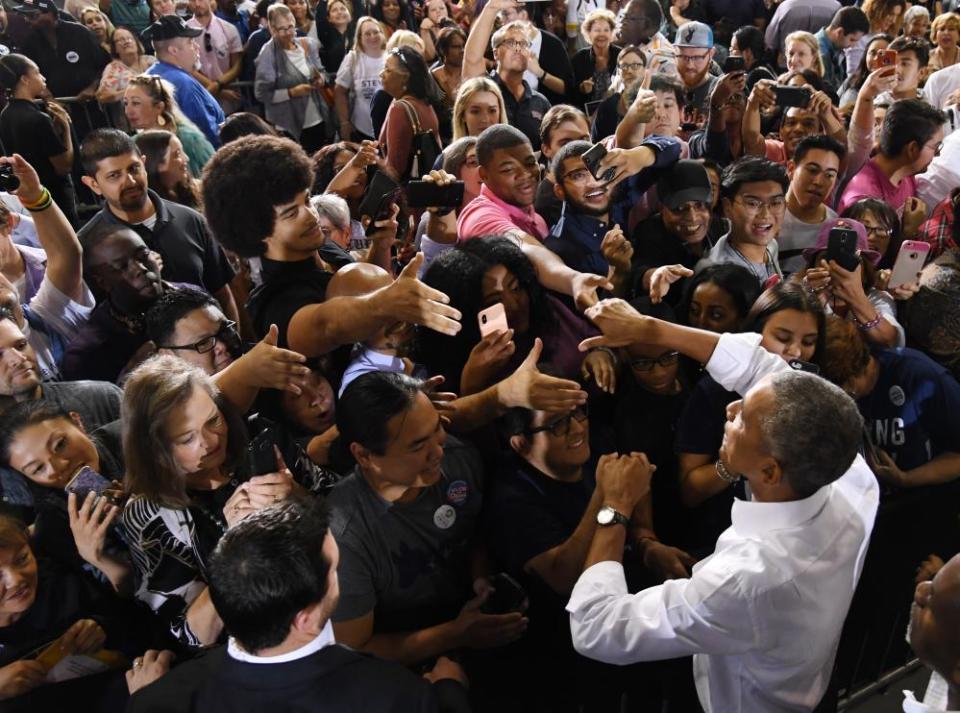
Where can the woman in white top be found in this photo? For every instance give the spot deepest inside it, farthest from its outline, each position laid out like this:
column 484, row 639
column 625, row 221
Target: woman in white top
column 289, row 78
column 359, row 79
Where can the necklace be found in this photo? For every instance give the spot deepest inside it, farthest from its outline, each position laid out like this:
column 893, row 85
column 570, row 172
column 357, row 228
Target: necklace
column 761, row 273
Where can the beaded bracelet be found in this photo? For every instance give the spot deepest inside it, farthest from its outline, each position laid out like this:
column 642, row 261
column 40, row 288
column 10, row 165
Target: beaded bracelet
column 42, row 203
column 872, row 324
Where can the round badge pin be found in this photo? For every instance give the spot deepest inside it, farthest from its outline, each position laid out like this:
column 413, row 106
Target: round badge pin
column 444, row 517
column 72, row 57
column 4, row 50
column 897, row 396
column 458, row 492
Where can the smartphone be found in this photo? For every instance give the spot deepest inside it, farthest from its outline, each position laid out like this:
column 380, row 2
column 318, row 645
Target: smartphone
column 910, row 260
column 800, row 365
column 592, row 159
column 85, row 481
column 886, row 58
column 492, row 319
column 733, row 63
column 590, row 108
column 508, row 596
column 382, row 193
column 424, row 194
column 788, row 96
column 261, row 457
column 842, row 247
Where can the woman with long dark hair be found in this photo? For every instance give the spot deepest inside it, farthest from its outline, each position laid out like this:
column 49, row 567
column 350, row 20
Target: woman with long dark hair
column 168, row 168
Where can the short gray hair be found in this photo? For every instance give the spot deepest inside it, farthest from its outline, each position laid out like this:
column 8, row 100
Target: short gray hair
column 333, row 208
column 914, row 11
column 813, row 430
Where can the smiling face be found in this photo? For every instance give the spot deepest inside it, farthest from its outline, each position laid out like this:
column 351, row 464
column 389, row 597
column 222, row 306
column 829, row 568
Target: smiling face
column 18, row 582
column 175, row 168
column 799, row 56
column 391, row 11
column 50, row 452
column 501, row 285
column 482, row 110
column 371, row 38
column 296, row 229
column 600, row 34
column 751, row 222
column 197, row 434
column 918, row 26
column 689, row 222
column 338, row 13
column 564, row 451
column 813, row 179
column 581, row 190
column 313, row 410
column 298, row 8
column 513, row 174
column 790, row 334
column 196, row 326
column 140, row 109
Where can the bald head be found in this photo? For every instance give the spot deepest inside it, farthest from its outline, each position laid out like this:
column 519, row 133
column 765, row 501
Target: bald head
column 358, row 278
column 935, row 622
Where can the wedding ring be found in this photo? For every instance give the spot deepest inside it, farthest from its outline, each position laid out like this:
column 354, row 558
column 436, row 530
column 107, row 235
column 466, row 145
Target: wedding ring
column 137, row 662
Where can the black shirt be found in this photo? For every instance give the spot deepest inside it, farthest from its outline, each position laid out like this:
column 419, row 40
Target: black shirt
column 286, row 288
column 180, row 234
column 527, row 113
column 654, row 246
column 555, row 60
column 73, row 63
column 607, row 118
column 333, row 45
column 28, row 131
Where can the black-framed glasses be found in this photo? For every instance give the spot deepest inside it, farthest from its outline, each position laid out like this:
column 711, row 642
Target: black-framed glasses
column 207, row 42
column 632, row 66
column 561, row 427
column 647, row 363
column 227, row 335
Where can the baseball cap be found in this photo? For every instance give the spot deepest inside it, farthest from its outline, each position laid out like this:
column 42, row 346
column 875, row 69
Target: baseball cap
column 685, row 181
column 694, row 34
column 169, row 27
column 823, row 238
column 32, row 7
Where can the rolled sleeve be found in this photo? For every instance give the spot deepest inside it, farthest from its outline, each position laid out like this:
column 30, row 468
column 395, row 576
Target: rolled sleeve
column 738, row 362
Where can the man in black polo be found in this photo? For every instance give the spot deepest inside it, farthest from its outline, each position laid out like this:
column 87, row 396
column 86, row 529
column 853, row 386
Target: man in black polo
column 525, row 107
column 68, row 54
column 116, row 172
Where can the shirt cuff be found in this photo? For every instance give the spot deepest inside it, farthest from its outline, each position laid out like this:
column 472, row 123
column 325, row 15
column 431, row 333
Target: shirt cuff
column 602, row 580
column 731, row 358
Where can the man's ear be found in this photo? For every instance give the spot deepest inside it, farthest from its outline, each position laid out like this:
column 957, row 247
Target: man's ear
column 727, row 207
column 307, row 621
column 92, row 184
column 520, row 444
column 559, row 192
column 360, row 454
column 791, row 167
column 772, row 473
column 482, row 172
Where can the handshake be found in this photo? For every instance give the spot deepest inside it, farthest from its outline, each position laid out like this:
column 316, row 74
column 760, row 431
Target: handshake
column 624, row 480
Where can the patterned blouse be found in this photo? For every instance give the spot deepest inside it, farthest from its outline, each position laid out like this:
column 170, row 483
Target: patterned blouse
column 116, row 75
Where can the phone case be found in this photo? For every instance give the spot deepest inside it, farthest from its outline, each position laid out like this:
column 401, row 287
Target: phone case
column 423, row 194
column 85, row 481
column 492, row 319
column 842, row 247
column 887, row 58
column 910, row 260
column 380, row 186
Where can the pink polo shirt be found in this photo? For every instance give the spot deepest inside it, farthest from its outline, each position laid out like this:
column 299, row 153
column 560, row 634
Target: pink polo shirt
column 488, row 215
column 871, row 182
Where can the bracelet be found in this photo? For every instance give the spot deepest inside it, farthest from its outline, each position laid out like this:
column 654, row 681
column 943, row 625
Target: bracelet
column 724, row 474
column 42, row 203
column 812, row 290
column 865, row 326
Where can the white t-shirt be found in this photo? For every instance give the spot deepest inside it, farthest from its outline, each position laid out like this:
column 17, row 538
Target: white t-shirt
column 360, row 74
column 942, row 84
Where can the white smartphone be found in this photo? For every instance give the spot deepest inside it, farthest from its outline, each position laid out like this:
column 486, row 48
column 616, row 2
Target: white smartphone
column 910, row 260
column 492, row 319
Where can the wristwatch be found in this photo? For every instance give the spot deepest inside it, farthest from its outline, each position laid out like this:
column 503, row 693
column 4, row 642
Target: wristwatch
column 607, row 516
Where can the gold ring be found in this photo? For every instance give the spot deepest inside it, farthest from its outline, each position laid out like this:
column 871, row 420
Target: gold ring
column 137, row 662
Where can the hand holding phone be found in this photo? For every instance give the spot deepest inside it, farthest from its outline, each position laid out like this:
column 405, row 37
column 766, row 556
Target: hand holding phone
column 427, row 194
column 788, row 96
column 733, row 63
column 910, row 260
column 85, row 481
column 592, row 159
column 842, row 248
column 507, row 596
column 493, row 319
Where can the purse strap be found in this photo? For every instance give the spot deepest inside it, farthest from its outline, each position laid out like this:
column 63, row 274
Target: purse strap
column 411, row 115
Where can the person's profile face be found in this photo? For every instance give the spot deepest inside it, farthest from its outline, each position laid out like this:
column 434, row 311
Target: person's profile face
column 124, row 265
column 18, row 579
column 933, row 620
column 743, row 450
column 313, row 410
column 199, row 325
column 414, row 453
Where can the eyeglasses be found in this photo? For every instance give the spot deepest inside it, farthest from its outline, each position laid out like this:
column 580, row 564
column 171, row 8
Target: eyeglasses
column 207, row 42
column 631, row 66
column 647, row 363
column 691, row 207
column 936, row 149
column 878, row 231
column 518, row 45
column 561, row 427
column 755, row 205
column 285, row 30
column 227, row 335
column 692, row 58
column 578, row 175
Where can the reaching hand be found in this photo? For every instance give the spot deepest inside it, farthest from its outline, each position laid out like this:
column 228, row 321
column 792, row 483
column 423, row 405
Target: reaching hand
column 271, row 367
column 486, row 631
column 663, row 277
column 644, row 107
column 20, row 677
column 879, row 81
column 409, row 300
column 486, row 360
column 30, row 188
column 624, row 480
column 888, row 471
column 447, row 668
column 667, row 562
column 84, row 637
column 584, row 288
column 148, row 668
column 528, row 388
column 617, row 250
column 620, row 323
column 602, row 367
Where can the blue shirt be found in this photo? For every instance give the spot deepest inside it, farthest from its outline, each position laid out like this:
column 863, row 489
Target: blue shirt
column 194, row 100
column 834, row 61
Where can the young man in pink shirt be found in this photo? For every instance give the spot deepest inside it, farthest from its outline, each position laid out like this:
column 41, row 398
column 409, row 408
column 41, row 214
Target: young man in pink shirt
column 911, row 136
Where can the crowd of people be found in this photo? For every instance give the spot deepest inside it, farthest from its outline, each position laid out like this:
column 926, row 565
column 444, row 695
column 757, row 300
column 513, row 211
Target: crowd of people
column 478, row 355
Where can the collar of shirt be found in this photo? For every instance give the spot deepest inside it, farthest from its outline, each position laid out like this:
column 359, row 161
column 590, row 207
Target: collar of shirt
column 159, row 206
column 527, row 219
column 323, row 640
column 912, row 705
column 750, row 517
column 385, row 362
column 508, row 95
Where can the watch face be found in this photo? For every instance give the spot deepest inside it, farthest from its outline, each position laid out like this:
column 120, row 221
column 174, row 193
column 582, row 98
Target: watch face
column 605, row 516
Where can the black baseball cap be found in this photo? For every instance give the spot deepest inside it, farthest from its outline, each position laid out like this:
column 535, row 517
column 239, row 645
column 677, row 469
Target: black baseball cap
column 168, row 27
column 685, row 181
column 33, row 7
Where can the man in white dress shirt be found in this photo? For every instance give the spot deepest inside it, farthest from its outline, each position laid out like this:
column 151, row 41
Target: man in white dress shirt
column 762, row 615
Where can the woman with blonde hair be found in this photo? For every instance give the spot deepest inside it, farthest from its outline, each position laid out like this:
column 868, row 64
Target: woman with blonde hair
column 945, row 35
column 594, row 66
column 479, row 104
column 359, row 79
column 802, row 51
column 99, row 24
column 149, row 104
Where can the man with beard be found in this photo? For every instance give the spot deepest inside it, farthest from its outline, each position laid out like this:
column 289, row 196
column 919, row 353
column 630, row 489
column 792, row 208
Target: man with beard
column 586, row 236
column 763, row 614
column 115, row 171
column 694, row 43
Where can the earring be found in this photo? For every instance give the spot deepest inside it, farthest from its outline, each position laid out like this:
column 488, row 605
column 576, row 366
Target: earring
column 161, row 121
